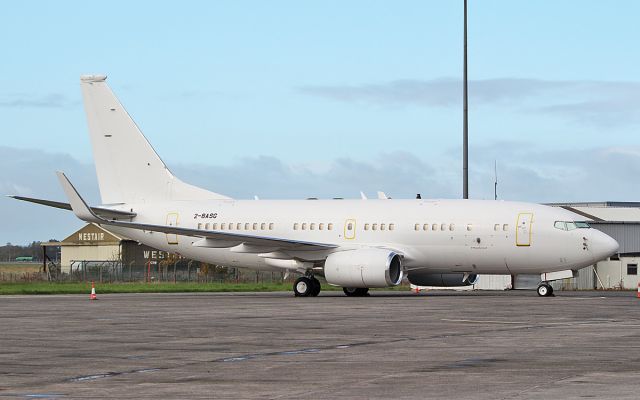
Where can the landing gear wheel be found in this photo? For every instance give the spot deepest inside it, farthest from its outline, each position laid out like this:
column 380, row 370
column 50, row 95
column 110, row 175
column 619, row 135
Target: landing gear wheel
column 303, row 287
column 355, row 292
column 545, row 290
column 316, row 287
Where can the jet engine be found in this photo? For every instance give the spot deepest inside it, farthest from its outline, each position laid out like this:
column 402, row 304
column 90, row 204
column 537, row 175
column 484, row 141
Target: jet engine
column 364, row 268
column 442, row 280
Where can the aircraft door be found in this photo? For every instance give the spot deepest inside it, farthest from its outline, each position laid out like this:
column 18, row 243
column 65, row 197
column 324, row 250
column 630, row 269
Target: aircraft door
column 350, row 229
column 172, row 220
column 523, row 229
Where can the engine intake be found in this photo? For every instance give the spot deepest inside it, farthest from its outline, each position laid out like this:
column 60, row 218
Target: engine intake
column 441, row 280
column 364, row 268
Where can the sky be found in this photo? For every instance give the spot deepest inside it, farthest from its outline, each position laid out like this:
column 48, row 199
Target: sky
column 291, row 99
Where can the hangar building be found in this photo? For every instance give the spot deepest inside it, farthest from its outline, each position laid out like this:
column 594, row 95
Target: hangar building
column 94, row 244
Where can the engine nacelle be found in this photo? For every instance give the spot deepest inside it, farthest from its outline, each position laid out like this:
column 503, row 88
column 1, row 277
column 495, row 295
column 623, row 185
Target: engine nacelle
column 441, row 280
column 364, row 268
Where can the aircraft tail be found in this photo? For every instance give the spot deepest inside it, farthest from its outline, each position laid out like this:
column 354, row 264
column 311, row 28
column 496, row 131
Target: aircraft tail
column 128, row 168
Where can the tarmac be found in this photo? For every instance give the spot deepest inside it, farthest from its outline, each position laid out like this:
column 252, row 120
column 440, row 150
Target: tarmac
column 477, row 345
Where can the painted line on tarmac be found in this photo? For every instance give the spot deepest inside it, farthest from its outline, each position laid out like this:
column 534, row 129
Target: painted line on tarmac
column 94, row 377
column 534, row 323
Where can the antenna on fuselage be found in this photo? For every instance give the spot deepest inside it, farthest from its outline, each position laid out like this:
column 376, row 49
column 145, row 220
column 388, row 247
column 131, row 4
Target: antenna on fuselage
column 495, row 182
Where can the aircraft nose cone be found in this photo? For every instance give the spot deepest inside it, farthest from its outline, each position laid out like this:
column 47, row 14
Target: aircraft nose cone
column 603, row 246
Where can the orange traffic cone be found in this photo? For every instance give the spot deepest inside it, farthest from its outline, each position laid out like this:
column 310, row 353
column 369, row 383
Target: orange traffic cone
column 93, row 292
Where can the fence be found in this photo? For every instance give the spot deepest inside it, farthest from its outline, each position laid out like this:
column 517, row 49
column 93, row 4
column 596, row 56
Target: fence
column 113, row 271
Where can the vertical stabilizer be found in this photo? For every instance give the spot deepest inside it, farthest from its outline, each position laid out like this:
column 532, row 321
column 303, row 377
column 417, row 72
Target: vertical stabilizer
column 128, row 169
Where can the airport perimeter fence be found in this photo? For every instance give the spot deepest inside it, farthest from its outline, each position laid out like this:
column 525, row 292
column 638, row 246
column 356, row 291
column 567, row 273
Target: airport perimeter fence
column 115, row 272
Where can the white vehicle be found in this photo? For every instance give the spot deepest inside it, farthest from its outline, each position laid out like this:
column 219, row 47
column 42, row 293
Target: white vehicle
column 356, row 244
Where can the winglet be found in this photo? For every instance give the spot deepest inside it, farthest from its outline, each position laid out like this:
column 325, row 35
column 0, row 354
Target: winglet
column 78, row 205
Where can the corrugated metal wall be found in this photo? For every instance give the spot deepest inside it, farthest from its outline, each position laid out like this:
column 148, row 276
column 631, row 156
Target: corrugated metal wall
column 493, row 282
column 584, row 280
column 627, row 234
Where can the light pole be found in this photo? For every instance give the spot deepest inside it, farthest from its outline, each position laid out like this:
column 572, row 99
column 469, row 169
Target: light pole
column 465, row 117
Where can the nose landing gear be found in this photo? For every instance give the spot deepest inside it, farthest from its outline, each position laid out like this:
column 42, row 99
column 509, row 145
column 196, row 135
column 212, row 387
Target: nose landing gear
column 545, row 290
column 306, row 286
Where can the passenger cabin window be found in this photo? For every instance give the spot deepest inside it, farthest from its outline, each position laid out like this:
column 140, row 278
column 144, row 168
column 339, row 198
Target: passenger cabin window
column 505, row 227
column 296, row 226
column 206, row 226
column 321, row 226
column 417, row 227
column 263, row 226
column 246, row 226
column 434, row 227
column 304, row 226
column 330, row 226
column 374, row 227
column 496, row 227
column 199, row 225
column 443, row 227
column 214, row 226
column 632, row 269
column 469, row 227
column 271, row 226
column 366, row 227
column 425, row 227
column 312, row 226
column 238, row 226
column 255, row 226
column 223, row 225
column 452, row 227
column 383, row 227
column 392, row 227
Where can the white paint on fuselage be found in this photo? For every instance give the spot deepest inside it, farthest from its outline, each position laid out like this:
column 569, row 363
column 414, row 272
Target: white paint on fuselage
column 456, row 250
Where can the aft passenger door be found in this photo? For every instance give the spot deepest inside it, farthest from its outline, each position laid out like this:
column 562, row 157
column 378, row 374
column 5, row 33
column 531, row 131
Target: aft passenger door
column 523, row 229
column 172, row 220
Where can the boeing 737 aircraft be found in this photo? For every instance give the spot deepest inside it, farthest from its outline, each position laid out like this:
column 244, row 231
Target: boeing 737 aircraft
column 354, row 244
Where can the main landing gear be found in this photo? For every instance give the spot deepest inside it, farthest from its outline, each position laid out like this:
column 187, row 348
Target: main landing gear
column 355, row 292
column 545, row 290
column 306, row 286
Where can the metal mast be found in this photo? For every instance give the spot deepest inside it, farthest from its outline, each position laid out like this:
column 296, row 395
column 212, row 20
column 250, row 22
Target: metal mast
column 465, row 117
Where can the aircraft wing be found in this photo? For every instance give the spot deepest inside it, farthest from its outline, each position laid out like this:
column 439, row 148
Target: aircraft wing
column 236, row 241
column 102, row 212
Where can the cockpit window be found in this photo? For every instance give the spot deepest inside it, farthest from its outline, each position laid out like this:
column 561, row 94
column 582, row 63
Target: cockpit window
column 570, row 225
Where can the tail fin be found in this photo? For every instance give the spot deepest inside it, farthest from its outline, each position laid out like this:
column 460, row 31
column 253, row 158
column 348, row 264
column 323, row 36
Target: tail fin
column 128, row 169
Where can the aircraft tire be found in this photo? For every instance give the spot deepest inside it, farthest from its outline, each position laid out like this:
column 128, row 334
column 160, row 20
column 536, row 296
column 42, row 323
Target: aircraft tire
column 303, row 287
column 355, row 292
column 545, row 290
column 316, row 287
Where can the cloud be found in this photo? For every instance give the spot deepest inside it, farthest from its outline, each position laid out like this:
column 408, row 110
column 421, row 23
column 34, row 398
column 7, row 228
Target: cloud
column 599, row 103
column 53, row 100
column 526, row 172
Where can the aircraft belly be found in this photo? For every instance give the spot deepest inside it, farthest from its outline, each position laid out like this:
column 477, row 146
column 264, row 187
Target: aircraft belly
column 222, row 257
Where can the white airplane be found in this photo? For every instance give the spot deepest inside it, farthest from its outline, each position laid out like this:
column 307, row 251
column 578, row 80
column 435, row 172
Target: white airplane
column 355, row 244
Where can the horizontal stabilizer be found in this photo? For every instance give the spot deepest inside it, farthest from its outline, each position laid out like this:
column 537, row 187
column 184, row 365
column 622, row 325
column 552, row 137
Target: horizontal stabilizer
column 102, row 212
